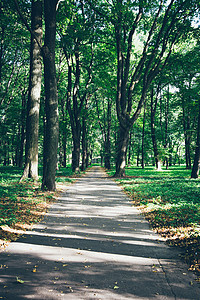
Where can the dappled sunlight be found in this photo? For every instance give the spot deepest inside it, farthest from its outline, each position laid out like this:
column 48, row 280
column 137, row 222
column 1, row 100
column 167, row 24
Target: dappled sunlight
column 78, row 255
column 92, row 244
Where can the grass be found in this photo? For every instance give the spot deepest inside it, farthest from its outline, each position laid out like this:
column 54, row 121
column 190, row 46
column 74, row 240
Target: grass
column 23, row 204
column 170, row 201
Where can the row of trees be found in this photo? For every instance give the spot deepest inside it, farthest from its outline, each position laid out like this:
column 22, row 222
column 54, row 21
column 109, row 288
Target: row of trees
column 117, row 77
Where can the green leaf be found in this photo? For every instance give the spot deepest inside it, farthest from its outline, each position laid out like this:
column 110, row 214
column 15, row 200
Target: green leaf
column 19, row 280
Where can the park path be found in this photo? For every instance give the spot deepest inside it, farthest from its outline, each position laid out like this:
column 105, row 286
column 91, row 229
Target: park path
column 93, row 244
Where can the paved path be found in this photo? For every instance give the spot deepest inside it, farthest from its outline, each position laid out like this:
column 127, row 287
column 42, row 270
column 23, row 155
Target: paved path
column 93, row 245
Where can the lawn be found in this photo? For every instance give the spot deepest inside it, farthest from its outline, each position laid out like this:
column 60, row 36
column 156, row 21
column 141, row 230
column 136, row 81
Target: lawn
column 23, row 204
column 170, row 201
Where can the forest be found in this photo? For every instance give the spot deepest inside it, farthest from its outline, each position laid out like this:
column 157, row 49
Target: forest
column 114, row 82
column 118, row 80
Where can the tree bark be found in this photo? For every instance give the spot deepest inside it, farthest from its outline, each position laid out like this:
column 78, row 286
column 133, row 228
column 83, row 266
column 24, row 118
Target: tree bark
column 129, row 149
column 186, row 127
column 76, row 137
column 51, row 98
column 84, row 145
column 87, row 158
column 74, row 114
column 121, row 152
column 143, row 135
column 107, row 138
column 166, row 129
column 153, row 131
column 22, row 131
column 33, row 105
column 64, row 146
column 196, row 164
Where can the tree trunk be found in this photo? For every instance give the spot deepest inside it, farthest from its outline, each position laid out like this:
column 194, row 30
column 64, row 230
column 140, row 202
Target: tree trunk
column 76, row 137
column 143, row 134
column 64, row 146
column 186, row 127
column 107, row 154
column 22, row 131
column 51, row 98
column 2, row 45
column 153, row 132
column 87, row 158
column 138, row 155
column 121, row 152
column 154, row 142
column 74, row 114
column 129, row 149
column 84, row 145
column 33, row 105
column 166, row 129
column 107, row 139
column 187, row 152
column 196, row 164
column 170, row 152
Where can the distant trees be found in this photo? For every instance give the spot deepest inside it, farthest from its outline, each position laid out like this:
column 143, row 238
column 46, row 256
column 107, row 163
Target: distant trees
column 13, row 85
column 162, row 25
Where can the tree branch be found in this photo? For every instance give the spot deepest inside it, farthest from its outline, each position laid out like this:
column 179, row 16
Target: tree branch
column 28, row 27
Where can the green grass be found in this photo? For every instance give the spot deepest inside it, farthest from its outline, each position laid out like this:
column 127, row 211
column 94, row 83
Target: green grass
column 170, row 201
column 171, row 194
column 15, row 195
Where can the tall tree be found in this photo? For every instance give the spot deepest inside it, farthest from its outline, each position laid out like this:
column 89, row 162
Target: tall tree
column 163, row 32
column 196, row 164
column 164, row 21
column 77, row 43
column 51, row 97
column 105, row 126
column 13, row 86
column 33, row 105
column 143, row 135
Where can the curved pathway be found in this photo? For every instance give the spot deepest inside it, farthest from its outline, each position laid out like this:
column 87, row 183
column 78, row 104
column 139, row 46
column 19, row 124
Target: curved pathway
column 93, row 244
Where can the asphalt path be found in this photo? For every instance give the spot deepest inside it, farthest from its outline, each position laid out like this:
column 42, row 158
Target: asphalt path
column 93, row 244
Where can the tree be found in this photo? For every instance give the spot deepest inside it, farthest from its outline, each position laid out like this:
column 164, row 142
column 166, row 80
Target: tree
column 134, row 75
column 77, row 44
column 13, row 84
column 51, row 98
column 105, row 127
column 184, row 71
column 33, row 105
column 143, row 135
column 196, row 164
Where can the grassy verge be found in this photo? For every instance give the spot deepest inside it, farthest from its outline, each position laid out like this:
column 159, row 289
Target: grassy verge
column 24, row 204
column 170, row 201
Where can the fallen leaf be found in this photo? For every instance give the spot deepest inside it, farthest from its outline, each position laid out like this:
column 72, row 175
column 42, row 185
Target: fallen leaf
column 19, row 280
column 116, row 287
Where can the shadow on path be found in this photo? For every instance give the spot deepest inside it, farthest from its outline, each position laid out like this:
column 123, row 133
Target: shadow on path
column 93, row 244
